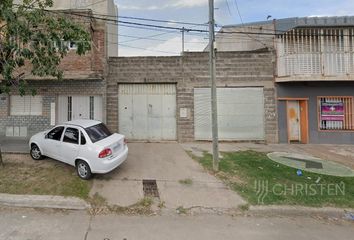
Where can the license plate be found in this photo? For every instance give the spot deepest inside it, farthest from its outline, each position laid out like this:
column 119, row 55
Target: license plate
column 116, row 147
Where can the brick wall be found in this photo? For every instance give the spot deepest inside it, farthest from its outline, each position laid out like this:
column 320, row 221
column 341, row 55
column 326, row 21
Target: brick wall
column 92, row 64
column 233, row 69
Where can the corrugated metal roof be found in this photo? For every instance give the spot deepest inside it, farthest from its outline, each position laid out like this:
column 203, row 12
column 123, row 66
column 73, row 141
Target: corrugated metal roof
column 250, row 24
column 290, row 23
column 286, row 24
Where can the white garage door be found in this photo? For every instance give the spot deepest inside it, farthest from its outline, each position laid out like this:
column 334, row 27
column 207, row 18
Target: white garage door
column 240, row 113
column 147, row 111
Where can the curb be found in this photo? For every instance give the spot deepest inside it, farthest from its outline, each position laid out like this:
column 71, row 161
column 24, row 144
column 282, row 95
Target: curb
column 14, row 152
column 298, row 210
column 43, row 201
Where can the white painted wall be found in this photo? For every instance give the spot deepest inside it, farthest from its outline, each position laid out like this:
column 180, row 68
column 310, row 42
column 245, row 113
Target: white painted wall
column 244, row 42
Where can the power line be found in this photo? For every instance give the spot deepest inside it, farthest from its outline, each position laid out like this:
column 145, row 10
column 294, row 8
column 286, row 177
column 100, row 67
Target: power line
column 163, row 21
column 140, row 48
column 153, row 20
column 139, row 38
column 89, row 5
column 239, row 39
column 161, row 27
column 145, row 28
column 152, row 26
column 238, row 12
column 186, row 29
column 148, row 38
column 228, row 7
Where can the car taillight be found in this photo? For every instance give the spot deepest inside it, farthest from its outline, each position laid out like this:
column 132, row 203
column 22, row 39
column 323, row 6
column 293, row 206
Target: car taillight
column 125, row 141
column 105, row 153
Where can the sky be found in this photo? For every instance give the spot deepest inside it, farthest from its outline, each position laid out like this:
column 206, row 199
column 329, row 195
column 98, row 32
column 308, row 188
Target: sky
column 158, row 43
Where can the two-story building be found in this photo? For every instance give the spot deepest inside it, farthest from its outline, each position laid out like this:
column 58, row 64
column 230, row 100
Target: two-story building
column 81, row 93
column 313, row 74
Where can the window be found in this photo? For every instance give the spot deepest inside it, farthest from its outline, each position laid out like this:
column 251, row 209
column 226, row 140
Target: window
column 70, row 108
column 71, row 135
column 98, row 132
column 92, row 107
column 335, row 113
column 72, row 45
column 83, row 139
column 25, row 105
column 56, row 133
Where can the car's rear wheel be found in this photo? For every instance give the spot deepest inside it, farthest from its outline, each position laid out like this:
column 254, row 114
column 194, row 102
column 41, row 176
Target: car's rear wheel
column 83, row 170
column 36, row 152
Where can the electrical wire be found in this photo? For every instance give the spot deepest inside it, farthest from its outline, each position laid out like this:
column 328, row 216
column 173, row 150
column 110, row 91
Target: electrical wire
column 140, row 48
column 91, row 4
column 148, row 38
column 152, row 26
column 228, row 7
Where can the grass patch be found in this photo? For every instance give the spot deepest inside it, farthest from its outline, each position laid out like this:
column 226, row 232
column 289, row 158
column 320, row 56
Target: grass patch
column 100, row 206
column 97, row 200
column 186, row 181
column 244, row 207
column 59, row 179
column 162, row 204
column 142, row 207
column 242, row 170
column 181, row 210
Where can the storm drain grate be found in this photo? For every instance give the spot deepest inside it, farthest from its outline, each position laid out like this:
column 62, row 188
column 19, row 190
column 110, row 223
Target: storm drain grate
column 150, row 188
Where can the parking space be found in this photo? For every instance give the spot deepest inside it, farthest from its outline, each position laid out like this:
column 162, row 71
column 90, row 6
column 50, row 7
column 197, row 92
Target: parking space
column 171, row 167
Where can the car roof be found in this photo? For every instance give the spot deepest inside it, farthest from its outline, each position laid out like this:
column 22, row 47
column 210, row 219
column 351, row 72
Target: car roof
column 84, row 123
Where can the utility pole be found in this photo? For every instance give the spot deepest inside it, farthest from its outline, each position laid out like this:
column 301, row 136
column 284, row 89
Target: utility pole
column 214, row 111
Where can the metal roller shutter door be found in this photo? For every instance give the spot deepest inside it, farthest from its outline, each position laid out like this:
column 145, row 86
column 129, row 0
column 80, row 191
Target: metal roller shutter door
column 240, row 113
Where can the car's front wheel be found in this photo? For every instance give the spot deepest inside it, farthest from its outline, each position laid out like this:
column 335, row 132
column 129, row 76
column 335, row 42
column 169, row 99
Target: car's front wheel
column 83, row 170
column 36, row 152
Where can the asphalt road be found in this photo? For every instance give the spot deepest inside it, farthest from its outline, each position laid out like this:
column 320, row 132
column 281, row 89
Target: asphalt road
column 31, row 224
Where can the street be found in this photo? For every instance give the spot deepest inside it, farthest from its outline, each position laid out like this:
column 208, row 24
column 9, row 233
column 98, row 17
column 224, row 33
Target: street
column 29, row 224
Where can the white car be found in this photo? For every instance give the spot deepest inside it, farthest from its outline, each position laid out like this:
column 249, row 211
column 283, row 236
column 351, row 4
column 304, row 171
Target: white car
column 86, row 144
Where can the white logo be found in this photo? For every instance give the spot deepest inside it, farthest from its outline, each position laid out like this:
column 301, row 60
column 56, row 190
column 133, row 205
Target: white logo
column 262, row 188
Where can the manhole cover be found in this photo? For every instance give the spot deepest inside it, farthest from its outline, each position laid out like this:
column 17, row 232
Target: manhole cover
column 150, row 188
column 311, row 164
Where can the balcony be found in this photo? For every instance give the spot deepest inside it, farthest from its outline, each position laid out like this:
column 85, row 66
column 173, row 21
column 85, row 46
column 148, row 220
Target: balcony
column 325, row 54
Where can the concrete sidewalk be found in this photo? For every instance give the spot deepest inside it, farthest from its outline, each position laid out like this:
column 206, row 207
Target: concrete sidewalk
column 56, row 225
column 167, row 163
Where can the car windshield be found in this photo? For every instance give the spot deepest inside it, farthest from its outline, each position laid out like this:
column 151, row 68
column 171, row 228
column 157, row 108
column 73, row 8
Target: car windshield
column 98, row 132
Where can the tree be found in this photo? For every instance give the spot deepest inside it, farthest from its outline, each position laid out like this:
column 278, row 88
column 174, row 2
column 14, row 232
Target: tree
column 32, row 36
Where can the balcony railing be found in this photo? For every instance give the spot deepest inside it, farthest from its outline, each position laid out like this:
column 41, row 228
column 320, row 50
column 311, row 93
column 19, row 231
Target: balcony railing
column 316, row 53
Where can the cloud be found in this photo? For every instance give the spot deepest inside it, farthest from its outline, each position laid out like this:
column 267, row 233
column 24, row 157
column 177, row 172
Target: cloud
column 170, row 47
column 189, row 3
column 162, row 4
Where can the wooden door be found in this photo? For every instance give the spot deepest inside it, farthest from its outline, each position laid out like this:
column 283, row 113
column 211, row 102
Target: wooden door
column 294, row 128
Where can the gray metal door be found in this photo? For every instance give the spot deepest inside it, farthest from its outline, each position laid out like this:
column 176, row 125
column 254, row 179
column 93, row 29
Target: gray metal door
column 240, row 113
column 147, row 111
